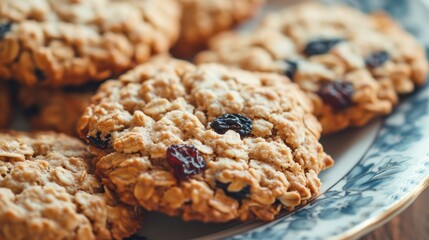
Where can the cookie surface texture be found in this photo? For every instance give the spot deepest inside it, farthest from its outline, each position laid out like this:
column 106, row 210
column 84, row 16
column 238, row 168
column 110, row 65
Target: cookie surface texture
column 72, row 42
column 55, row 109
column 48, row 191
column 203, row 19
column 353, row 66
column 206, row 143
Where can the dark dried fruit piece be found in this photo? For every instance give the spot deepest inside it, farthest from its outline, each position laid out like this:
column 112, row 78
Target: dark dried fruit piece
column 98, row 141
column 291, row 68
column 321, row 46
column 185, row 160
column 236, row 122
column 377, row 59
column 40, row 75
column 240, row 195
column 337, row 94
column 5, row 28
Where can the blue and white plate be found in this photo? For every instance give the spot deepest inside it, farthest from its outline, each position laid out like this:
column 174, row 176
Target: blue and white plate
column 379, row 170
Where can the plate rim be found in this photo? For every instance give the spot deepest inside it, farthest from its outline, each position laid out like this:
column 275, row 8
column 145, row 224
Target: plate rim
column 377, row 221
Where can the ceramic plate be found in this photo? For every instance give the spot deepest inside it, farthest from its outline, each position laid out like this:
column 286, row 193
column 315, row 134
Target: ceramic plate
column 379, row 170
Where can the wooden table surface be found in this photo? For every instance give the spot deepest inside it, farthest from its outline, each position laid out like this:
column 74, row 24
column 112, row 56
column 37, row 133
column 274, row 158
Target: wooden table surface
column 412, row 224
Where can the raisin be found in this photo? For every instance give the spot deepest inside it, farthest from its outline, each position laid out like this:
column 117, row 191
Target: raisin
column 337, row 94
column 5, row 28
column 321, row 46
column 291, row 69
column 377, row 59
column 98, row 141
column 185, row 160
column 40, row 75
column 240, row 195
column 236, row 122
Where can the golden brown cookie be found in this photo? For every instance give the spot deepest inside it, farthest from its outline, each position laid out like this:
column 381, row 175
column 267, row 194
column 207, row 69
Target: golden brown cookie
column 5, row 105
column 55, row 109
column 206, row 143
column 353, row 66
column 72, row 42
column 203, row 19
column 48, row 191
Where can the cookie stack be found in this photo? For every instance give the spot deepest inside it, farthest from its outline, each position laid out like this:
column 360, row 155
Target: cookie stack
column 207, row 142
column 58, row 50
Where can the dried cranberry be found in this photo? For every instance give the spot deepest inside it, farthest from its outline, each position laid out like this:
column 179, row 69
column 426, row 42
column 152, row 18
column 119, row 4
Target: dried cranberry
column 40, row 75
column 5, row 28
column 236, row 122
column 377, row 59
column 185, row 160
column 321, row 46
column 240, row 195
column 98, row 141
column 337, row 94
column 291, row 69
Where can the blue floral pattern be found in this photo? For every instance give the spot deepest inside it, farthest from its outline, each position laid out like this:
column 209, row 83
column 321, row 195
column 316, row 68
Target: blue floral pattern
column 394, row 166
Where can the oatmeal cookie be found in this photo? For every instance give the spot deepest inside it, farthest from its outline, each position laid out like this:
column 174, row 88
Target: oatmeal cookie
column 48, row 191
column 5, row 105
column 206, row 143
column 203, row 19
column 55, row 109
column 71, row 42
column 353, row 66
